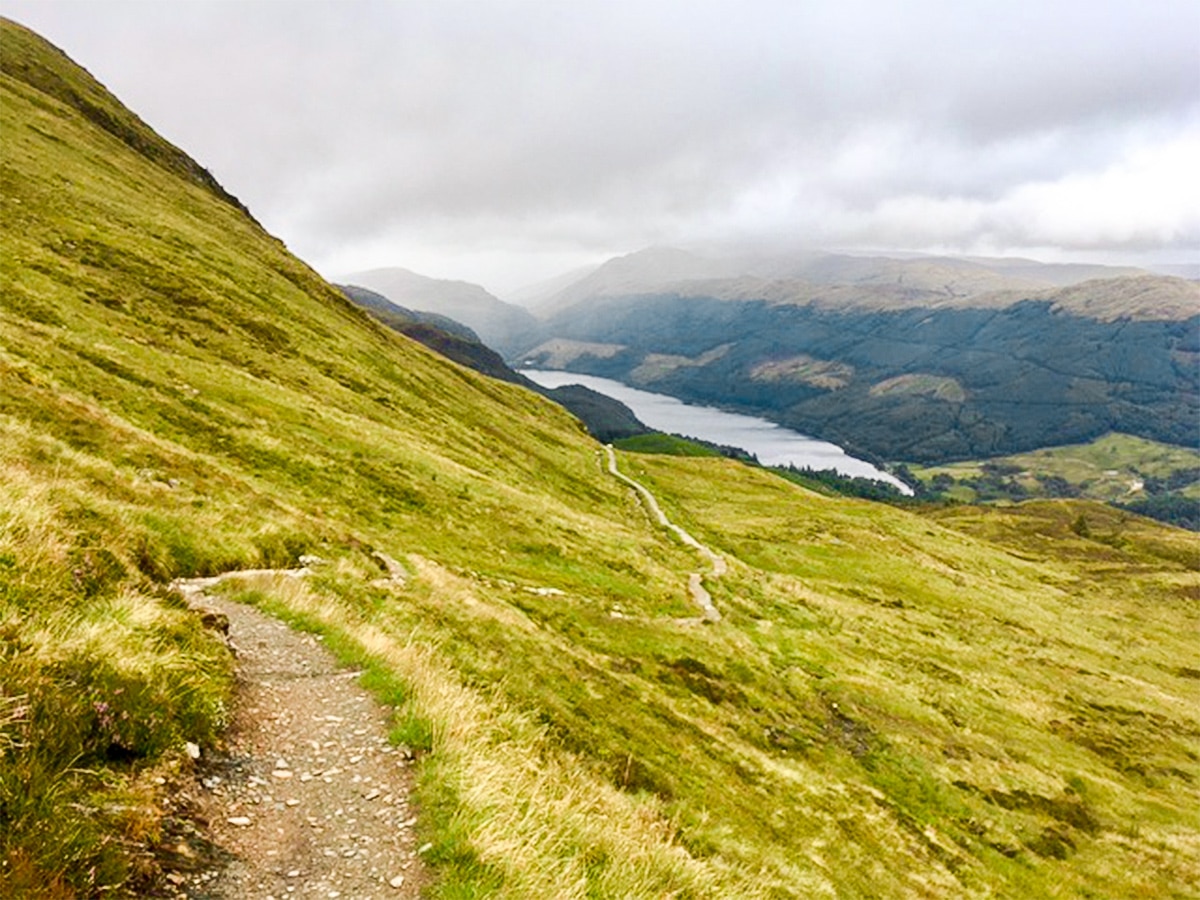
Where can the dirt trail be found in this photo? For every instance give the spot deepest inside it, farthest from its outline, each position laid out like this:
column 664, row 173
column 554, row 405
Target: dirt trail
column 308, row 799
column 700, row 595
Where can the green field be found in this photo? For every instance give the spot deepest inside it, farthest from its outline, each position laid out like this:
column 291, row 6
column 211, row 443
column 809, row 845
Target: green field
column 969, row 702
column 1111, row 468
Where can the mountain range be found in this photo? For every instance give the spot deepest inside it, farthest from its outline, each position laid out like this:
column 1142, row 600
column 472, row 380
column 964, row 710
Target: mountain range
column 913, row 358
column 920, row 359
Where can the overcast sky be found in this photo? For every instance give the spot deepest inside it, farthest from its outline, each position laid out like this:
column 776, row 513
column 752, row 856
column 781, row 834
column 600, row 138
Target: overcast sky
column 505, row 142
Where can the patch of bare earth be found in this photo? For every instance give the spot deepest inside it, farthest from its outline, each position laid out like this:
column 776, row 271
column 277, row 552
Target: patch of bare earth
column 307, row 799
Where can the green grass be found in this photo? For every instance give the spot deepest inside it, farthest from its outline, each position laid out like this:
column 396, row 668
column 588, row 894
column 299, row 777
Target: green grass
column 1111, row 468
column 669, row 444
column 986, row 687
column 103, row 677
column 969, row 702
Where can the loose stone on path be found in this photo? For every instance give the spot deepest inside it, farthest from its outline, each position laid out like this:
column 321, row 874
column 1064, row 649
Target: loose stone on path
column 308, row 799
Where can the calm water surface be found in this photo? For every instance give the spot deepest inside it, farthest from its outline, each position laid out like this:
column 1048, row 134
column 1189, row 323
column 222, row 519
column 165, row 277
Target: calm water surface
column 773, row 444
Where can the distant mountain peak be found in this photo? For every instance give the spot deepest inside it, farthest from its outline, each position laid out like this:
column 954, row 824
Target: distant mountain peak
column 502, row 326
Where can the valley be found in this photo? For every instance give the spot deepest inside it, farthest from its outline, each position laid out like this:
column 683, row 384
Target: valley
column 942, row 702
column 763, row 440
column 917, row 384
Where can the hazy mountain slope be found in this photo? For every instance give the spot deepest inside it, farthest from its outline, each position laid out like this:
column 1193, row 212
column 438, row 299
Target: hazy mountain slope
column 400, row 317
column 891, row 707
column 1057, row 274
column 806, row 276
column 605, row 418
column 532, row 296
column 500, row 325
column 636, row 273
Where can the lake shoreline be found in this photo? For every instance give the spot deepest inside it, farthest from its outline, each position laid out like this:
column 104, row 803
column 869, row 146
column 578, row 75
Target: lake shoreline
column 772, row 444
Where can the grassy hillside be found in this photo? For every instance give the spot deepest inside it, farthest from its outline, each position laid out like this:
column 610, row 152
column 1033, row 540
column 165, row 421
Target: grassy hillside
column 1157, row 480
column 894, row 706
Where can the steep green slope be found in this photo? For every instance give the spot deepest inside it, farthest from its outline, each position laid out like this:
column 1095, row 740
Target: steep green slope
column 179, row 396
column 26, row 57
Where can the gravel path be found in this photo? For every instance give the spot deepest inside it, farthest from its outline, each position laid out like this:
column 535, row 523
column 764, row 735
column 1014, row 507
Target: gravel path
column 308, row 799
column 700, row 595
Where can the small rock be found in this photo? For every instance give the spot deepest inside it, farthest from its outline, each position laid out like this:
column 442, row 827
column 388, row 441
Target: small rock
column 193, row 750
column 394, row 570
column 397, row 881
column 281, row 773
column 423, row 849
column 293, row 802
column 241, row 821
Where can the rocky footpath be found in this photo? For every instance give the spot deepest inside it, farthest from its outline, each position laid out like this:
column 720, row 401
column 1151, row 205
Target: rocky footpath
column 307, row 799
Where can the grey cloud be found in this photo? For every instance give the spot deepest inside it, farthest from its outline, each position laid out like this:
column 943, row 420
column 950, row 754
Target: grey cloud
column 543, row 130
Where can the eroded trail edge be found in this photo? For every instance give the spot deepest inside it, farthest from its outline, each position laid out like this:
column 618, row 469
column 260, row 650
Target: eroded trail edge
column 308, row 798
column 700, row 594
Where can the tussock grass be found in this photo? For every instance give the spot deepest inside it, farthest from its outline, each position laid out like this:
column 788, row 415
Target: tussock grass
column 101, row 676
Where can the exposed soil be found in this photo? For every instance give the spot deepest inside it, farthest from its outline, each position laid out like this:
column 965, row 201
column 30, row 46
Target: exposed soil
column 307, row 799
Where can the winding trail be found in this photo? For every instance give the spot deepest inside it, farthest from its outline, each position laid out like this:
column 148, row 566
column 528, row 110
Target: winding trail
column 308, row 798
column 700, row 594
